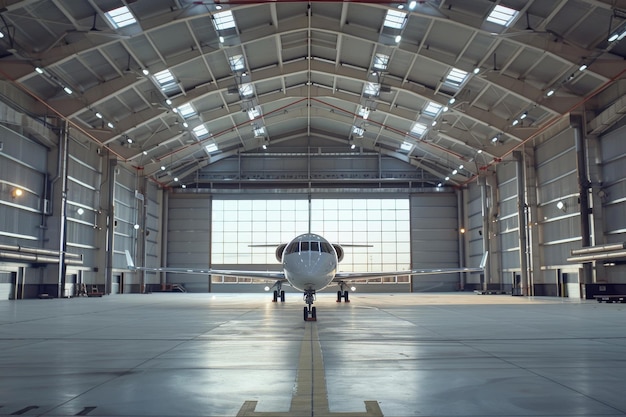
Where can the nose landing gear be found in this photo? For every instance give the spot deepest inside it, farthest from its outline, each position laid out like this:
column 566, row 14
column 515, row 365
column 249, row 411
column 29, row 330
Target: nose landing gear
column 310, row 314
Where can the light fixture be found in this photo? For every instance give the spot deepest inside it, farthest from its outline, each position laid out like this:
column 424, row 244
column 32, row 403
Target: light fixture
column 439, row 185
column 445, row 108
column 462, row 230
column 145, row 71
column 398, row 39
column 110, row 125
column 476, row 70
column 80, row 211
column 523, row 115
column 434, row 123
column 561, row 206
column 455, row 172
column 221, row 39
column 68, row 90
column 175, row 179
column 183, row 186
column 145, row 152
column 452, row 100
column 412, row 5
column 582, row 67
column 136, row 226
column 1, row 35
column 185, row 124
column 99, row 115
column 494, row 140
column 479, row 151
column 353, row 289
column 447, row 178
column 218, row 7
column 129, row 140
column 515, row 122
column 168, row 102
column 17, row 192
column 461, row 166
column 38, row 70
column 163, row 168
column 549, row 93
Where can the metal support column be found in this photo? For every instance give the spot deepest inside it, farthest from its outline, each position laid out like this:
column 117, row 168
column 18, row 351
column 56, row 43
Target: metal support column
column 521, row 218
column 583, row 194
column 64, row 152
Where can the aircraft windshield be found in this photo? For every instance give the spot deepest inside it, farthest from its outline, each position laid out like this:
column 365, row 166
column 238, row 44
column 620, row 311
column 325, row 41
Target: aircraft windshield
column 313, row 246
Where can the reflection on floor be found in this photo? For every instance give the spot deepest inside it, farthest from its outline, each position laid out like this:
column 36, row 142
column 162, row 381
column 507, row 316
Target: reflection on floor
column 227, row 355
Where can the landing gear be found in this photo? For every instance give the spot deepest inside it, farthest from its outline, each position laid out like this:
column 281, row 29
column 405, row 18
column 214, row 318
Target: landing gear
column 278, row 292
column 343, row 292
column 310, row 314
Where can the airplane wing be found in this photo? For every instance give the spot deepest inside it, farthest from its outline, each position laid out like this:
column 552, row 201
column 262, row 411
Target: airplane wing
column 258, row 275
column 347, row 276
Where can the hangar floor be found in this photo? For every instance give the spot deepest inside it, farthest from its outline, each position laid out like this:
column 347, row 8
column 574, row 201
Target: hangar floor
column 228, row 355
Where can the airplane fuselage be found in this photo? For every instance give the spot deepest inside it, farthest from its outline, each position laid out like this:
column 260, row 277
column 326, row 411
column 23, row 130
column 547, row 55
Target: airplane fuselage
column 310, row 262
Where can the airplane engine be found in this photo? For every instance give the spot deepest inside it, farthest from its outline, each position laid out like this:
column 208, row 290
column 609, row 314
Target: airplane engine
column 279, row 252
column 339, row 251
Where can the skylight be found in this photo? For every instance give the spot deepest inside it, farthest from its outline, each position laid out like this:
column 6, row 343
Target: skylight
column 259, row 132
column 432, row 109
column 246, row 90
column 364, row 112
column 406, row 146
column 253, row 113
column 186, row 110
column 501, row 15
column 455, row 77
column 201, row 131
column 224, row 20
column 419, row 128
column 381, row 61
column 371, row 89
column 211, row 148
column 120, row 17
column 358, row 131
column 165, row 79
column 236, row 62
column 395, row 19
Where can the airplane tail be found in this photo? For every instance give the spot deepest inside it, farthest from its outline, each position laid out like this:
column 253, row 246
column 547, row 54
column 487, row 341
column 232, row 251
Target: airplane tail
column 129, row 260
column 483, row 261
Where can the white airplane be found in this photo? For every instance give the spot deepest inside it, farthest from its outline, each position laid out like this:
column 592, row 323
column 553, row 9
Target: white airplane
column 309, row 265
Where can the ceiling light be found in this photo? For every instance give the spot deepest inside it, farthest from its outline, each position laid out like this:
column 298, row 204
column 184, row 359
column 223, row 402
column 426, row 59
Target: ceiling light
column 582, row 67
column 447, row 178
column 68, row 90
column 446, row 108
column 110, row 125
column 412, row 5
column 129, row 140
column 455, row 172
column 479, row 151
column 163, row 168
column 99, row 115
column 515, row 122
column 145, row 152
column 439, row 185
column 434, row 123
column 400, row 6
column 145, row 72
column 1, row 35
column 185, row 124
column 494, row 139
column 476, row 70
column 264, row 146
column 461, row 166
column 523, row 115
column 183, row 186
column 549, row 93
column 451, row 101
column 221, row 39
column 168, row 102
column 175, row 179
column 37, row 69
column 218, row 7
column 398, row 38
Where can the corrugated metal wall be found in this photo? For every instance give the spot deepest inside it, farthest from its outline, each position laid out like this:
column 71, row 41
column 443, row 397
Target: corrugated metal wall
column 435, row 239
column 613, row 196
column 559, row 226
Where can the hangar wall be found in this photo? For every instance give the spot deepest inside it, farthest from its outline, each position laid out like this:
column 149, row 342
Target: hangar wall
column 97, row 208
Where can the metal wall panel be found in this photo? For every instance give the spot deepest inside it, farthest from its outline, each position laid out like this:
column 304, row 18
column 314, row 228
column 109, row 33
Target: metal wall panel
column 189, row 238
column 22, row 166
column 557, row 180
column 507, row 226
column 613, row 152
column 435, row 239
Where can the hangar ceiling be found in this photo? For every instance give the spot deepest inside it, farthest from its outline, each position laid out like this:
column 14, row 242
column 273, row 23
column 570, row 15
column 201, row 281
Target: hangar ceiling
column 439, row 84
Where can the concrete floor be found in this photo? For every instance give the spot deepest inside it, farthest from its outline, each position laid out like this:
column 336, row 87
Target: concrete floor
column 241, row 355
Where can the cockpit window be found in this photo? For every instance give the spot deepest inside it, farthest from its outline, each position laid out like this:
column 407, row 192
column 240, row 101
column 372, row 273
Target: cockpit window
column 326, row 247
column 304, row 246
column 315, row 246
column 293, row 247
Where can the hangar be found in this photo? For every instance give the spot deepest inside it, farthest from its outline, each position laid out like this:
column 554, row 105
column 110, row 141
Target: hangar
column 196, row 134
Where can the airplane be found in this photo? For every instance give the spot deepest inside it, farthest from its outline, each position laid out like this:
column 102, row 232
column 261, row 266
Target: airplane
column 309, row 264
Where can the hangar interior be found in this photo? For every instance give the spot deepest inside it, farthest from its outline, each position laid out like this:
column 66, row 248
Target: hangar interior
column 433, row 130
